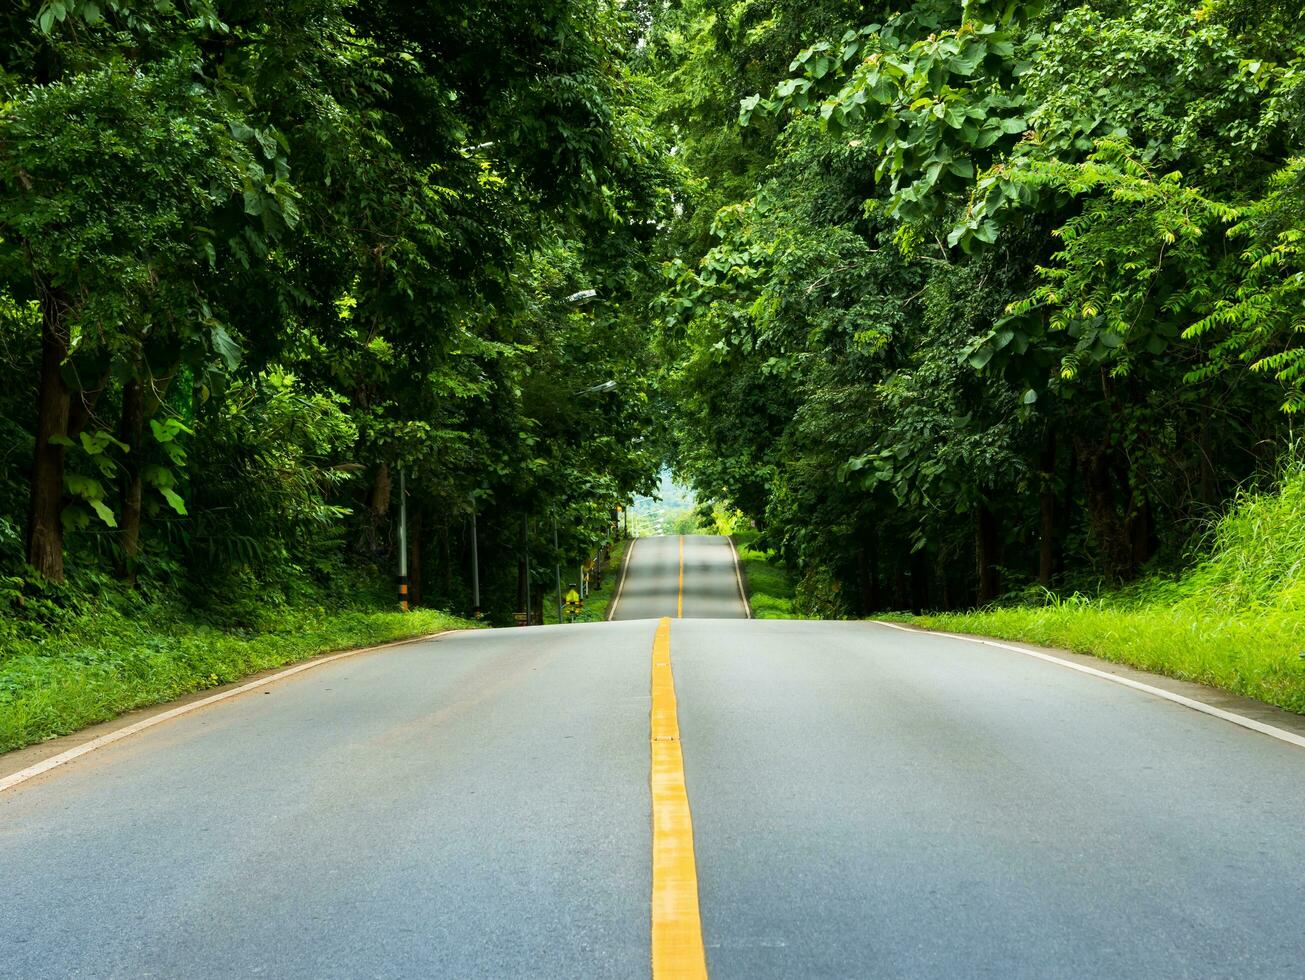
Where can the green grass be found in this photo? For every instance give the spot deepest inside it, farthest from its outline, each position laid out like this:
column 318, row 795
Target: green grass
column 109, row 663
column 1234, row 620
column 768, row 583
column 1255, row 657
column 597, row 601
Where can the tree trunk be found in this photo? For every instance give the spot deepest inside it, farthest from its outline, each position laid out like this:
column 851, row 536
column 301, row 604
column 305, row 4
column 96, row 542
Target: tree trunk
column 1139, row 533
column 414, row 557
column 133, row 424
column 919, row 582
column 987, row 544
column 44, row 527
column 380, row 508
column 1108, row 531
column 446, row 562
column 1047, row 511
column 876, row 595
column 1207, row 460
column 140, row 402
column 867, row 563
column 863, row 575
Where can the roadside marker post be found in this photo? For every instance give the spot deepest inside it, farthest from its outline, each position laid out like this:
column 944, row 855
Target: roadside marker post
column 475, row 565
column 403, row 541
column 557, row 568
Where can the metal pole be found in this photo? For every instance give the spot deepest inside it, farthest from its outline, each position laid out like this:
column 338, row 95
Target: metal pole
column 525, row 525
column 557, row 568
column 475, row 565
column 403, row 541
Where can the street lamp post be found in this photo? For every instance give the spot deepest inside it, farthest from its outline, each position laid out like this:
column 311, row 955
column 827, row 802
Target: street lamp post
column 583, row 296
column 475, row 565
column 525, row 560
column 557, row 569
column 403, row 541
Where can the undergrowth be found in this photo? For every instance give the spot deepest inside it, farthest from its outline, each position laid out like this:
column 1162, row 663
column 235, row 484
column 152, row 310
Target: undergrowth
column 597, row 601
column 768, row 582
column 74, row 655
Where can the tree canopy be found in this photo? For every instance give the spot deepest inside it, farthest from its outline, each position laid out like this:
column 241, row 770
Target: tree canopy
column 978, row 296
column 257, row 260
column 947, row 299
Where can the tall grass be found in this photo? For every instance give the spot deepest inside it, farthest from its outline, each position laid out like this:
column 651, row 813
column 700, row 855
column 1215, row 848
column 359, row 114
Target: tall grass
column 1235, row 619
column 768, row 583
column 109, row 663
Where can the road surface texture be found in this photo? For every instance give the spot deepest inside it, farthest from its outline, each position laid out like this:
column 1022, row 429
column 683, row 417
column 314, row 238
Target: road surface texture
column 708, row 587
column 866, row 802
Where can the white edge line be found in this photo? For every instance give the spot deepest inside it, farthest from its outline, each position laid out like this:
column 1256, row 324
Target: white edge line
column 738, row 577
column 620, row 586
column 1256, row 726
column 23, row 775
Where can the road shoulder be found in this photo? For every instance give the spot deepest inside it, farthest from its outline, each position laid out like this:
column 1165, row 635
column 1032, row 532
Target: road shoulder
column 32, row 761
column 1217, row 698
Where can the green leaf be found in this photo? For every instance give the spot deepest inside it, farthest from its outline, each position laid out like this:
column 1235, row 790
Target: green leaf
column 74, row 518
column 95, row 443
column 105, row 514
column 267, row 143
column 174, row 499
column 747, row 107
column 83, row 486
column 226, row 347
column 962, row 168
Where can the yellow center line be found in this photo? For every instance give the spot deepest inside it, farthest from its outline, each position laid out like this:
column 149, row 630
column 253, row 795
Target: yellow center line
column 679, row 599
column 677, row 950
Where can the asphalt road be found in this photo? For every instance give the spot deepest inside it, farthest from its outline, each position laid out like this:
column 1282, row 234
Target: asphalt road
column 865, row 802
column 691, row 577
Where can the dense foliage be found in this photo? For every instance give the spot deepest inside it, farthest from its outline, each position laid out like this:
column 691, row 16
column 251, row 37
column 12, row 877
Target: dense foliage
column 963, row 298
column 946, row 299
column 257, row 260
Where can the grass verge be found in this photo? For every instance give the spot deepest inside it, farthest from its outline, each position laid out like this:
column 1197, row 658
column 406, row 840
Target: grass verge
column 769, row 586
column 1251, row 655
column 598, row 600
column 113, row 663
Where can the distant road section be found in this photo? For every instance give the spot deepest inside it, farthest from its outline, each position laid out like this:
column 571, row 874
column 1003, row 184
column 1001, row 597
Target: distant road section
column 687, row 577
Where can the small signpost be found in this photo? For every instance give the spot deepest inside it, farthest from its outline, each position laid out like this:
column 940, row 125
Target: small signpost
column 574, row 604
